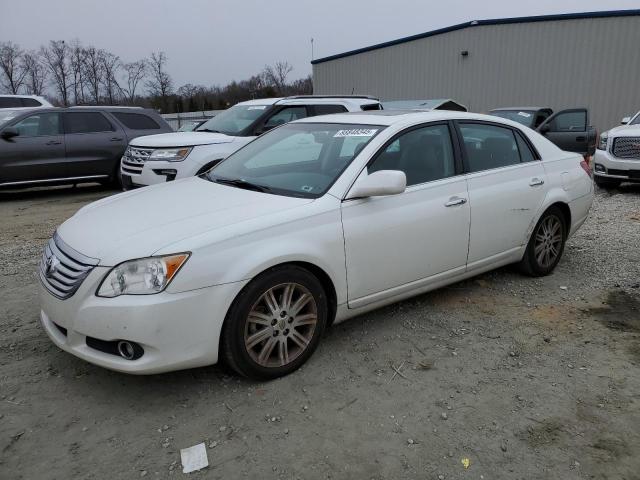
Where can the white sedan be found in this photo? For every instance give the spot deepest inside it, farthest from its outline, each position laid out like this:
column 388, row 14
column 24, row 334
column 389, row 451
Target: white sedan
column 312, row 223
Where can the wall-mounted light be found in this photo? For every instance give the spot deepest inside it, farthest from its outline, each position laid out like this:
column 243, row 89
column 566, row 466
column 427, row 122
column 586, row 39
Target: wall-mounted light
column 464, row 53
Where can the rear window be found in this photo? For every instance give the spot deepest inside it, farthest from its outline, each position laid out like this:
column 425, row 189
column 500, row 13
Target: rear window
column 371, row 106
column 136, row 121
column 86, row 122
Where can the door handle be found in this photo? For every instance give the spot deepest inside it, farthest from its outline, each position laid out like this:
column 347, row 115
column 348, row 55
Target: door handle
column 535, row 182
column 116, row 139
column 53, row 142
column 453, row 201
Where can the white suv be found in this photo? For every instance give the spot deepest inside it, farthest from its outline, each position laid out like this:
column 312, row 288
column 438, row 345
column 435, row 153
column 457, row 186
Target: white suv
column 14, row 102
column 617, row 158
column 162, row 158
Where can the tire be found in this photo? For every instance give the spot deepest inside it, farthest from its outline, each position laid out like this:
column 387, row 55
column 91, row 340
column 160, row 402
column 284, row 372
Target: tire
column 260, row 339
column 606, row 183
column 546, row 244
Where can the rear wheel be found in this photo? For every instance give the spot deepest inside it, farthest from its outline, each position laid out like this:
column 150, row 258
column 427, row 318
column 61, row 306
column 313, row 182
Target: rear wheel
column 607, row 183
column 275, row 323
column 546, row 244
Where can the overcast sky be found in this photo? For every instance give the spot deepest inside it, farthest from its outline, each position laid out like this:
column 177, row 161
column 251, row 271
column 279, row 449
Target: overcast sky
column 216, row 41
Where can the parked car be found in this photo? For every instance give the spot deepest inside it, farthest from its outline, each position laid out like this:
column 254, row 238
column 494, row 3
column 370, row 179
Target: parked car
column 23, row 101
column 312, row 223
column 569, row 129
column 617, row 158
column 69, row 145
column 162, row 158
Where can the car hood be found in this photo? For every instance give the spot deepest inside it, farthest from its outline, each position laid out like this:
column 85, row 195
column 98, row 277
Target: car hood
column 181, row 139
column 138, row 223
column 625, row 131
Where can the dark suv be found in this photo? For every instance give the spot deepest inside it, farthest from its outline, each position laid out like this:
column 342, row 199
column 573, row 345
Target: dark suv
column 69, row 145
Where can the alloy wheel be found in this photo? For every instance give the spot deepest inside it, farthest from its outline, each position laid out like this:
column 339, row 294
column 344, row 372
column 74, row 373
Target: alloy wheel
column 280, row 325
column 548, row 241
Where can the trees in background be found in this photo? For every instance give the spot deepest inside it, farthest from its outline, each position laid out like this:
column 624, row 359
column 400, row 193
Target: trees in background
column 77, row 74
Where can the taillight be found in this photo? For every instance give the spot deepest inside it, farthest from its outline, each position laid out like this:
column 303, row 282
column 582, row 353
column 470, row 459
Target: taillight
column 585, row 166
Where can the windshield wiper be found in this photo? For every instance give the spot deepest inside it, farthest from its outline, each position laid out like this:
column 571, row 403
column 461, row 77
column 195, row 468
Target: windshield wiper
column 208, row 130
column 238, row 182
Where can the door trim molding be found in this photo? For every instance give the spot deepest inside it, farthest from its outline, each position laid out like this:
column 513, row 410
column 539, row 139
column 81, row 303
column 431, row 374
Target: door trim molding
column 51, row 180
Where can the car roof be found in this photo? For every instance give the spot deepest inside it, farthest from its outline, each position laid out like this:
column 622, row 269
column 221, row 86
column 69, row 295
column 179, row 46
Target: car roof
column 313, row 99
column 102, row 108
column 520, row 108
column 401, row 117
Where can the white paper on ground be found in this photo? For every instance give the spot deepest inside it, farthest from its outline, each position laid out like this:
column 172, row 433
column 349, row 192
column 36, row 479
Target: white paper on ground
column 194, row 458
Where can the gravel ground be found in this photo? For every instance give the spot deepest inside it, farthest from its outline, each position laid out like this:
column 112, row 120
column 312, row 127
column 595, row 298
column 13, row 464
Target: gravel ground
column 498, row 377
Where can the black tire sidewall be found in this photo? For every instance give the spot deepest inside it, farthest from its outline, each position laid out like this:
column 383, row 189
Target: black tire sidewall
column 233, row 330
column 533, row 265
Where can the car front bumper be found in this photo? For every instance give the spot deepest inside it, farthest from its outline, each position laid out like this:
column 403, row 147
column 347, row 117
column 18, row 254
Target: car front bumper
column 175, row 330
column 605, row 165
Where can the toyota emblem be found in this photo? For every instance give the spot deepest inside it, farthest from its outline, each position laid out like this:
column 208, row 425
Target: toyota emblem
column 51, row 266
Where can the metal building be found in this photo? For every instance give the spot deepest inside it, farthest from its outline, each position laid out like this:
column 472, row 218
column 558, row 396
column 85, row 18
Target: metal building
column 572, row 60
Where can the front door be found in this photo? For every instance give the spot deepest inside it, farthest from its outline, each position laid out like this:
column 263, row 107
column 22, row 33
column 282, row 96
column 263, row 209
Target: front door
column 394, row 241
column 568, row 129
column 37, row 153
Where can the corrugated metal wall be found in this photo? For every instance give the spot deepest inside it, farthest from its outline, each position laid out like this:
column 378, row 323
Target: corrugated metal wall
column 591, row 62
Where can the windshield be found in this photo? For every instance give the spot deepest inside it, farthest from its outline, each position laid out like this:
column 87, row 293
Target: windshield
column 635, row 120
column 6, row 115
column 525, row 117
column 297, row 159
column 234, row 120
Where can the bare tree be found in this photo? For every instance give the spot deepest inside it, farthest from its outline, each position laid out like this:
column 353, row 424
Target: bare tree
column 12, row 67
column 36, row 73
column 134, row 73
column 276, row 75
column 93, row 71
column 110, row 66
column 159, row 84
column 56, row 59
column 77, row 60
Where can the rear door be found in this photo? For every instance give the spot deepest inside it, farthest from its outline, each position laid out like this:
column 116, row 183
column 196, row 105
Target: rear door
column 37, row 153
column 568, row 129
column 94, row 144
column 506, row 182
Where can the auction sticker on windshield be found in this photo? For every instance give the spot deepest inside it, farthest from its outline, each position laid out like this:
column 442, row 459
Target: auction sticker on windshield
column 356, row 132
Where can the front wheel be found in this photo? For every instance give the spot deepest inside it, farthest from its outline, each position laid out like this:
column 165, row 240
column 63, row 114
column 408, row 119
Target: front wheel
column 275, row 323
column 546, row 244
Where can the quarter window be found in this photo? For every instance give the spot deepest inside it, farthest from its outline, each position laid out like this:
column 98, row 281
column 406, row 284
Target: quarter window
column 489, row 146
column 86, row 122
column 30, row 102
column 526, row 155
column 42, row 124
column 424, row 155
column 136, row 121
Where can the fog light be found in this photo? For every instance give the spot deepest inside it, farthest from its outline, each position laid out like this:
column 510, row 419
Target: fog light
column 170, row 173
column 599, row 168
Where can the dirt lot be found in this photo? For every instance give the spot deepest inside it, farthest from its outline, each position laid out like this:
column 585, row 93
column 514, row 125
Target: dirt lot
column 524, row 378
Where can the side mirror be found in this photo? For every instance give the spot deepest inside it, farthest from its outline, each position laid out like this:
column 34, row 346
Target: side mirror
column 625, row 120
column 545, row 128
column 380, row 183
column 9, row 132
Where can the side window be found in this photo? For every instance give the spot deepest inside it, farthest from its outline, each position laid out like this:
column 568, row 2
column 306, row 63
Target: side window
column 30, row 102
column 286, row 115
column 489, row 146
column 526, row 155
column 42, row 124
column 424, row 155
column 371, row 106
column 136, row 121
column 569, row 122
column 10, row 102
column 86, row 122
column 328, row 109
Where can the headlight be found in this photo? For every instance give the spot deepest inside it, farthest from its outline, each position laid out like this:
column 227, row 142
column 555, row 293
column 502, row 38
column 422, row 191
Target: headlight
column 170, row 154
column 602, row 142
column 144, row 276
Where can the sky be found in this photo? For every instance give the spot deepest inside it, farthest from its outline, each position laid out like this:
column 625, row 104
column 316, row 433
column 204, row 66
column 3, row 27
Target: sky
column 214, row 42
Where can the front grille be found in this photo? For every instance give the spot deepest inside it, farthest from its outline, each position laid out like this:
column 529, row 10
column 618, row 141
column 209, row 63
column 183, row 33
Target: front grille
column 626, row 147
column 134, row 159
column 62, row 269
